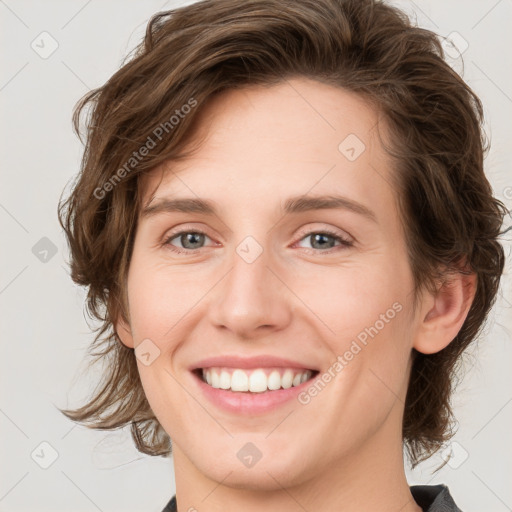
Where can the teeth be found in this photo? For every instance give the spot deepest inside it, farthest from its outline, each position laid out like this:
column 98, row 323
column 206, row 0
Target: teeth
column 239, row 381
column 287, row 379
column 274, row 381
column 215, row 380
column 225, row 380
column 258, row 380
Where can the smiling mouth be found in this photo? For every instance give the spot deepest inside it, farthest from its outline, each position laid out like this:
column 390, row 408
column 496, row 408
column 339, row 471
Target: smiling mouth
column 257, row 380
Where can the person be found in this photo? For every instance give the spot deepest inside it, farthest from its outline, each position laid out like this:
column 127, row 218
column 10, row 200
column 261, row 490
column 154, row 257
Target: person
column 285, row 228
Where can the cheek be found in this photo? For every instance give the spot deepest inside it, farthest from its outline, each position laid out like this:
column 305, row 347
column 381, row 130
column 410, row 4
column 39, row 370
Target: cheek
column 365, row 382
column 365, row 312
column 160, row 298
column 352, row 299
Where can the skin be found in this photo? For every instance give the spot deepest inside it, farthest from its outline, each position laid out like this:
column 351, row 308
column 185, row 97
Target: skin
column 343, row 450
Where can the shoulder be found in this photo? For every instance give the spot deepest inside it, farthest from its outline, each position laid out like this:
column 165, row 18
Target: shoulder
column 171, row 506
column 434, row 498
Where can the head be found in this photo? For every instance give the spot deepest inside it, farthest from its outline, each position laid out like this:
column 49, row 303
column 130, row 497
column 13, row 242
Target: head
column 247, row 107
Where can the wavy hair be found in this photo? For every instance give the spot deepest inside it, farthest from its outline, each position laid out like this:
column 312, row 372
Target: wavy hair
column 191, row 53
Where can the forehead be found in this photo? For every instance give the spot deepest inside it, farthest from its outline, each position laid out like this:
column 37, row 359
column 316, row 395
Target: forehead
column 288, row 139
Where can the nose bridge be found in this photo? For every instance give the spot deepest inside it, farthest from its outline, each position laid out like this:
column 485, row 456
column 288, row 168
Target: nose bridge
column 250, row 296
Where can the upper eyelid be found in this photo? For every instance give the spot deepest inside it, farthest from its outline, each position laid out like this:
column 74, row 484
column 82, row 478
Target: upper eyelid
column 330, row 231
column 304, row 231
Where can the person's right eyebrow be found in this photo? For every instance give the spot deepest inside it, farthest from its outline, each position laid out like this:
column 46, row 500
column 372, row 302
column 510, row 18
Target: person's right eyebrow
column 185, row 205
column 292, row 205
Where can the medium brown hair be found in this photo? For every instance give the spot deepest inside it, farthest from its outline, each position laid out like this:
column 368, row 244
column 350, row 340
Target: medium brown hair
column 451, row 219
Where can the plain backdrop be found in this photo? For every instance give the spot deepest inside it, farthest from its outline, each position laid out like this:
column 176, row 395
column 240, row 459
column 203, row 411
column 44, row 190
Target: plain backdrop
column 52, row 53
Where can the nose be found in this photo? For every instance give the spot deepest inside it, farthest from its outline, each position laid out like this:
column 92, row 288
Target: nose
column 251, row 301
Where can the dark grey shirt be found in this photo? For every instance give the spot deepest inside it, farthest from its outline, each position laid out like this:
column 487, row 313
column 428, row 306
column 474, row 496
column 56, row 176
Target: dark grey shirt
column 431, row 498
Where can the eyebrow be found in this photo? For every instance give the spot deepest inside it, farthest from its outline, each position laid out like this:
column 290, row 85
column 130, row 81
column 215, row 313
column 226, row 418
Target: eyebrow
column 292, row 205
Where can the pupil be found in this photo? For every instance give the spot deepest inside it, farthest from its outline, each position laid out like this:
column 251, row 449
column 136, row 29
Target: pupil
column 320, row 235
column 190, row 237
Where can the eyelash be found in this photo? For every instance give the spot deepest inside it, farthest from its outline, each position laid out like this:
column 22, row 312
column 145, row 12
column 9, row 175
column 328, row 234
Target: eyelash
column 344, row 243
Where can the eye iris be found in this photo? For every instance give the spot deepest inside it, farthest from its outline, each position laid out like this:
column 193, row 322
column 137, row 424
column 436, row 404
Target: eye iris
column 193, row 237
column 317, row 236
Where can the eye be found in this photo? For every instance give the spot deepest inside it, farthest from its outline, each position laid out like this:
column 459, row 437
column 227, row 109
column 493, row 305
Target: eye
column 320, row 240
column 191, row 241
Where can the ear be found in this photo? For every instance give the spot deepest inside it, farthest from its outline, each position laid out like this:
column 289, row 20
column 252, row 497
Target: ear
column 443, row 313
column 124, row 332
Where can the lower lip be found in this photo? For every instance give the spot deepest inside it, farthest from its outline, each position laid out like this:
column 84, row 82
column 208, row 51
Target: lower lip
column 250, row 403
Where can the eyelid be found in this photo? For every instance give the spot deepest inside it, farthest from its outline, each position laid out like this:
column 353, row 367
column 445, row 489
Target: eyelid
column 185, row 228
column 302, row 231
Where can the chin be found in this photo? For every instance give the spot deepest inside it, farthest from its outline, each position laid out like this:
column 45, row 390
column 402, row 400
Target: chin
column 255, row 479
column 272, row 472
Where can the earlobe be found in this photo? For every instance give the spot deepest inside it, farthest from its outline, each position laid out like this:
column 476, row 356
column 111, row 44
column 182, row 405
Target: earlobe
column 124, row 332
column 445, row 313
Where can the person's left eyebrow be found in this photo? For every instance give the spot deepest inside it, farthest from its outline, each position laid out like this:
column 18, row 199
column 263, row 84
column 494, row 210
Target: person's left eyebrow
column 292, row 205
column 304, row 203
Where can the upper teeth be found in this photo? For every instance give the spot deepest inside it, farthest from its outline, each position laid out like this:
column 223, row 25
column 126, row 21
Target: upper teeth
column 257, row 380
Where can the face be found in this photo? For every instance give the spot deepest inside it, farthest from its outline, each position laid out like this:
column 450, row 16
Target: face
column 305, row 302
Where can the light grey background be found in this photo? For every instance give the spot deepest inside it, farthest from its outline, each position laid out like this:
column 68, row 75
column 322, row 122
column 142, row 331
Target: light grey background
column 44, row 332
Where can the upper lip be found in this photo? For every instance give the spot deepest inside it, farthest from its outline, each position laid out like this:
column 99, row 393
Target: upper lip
column 262, row 361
